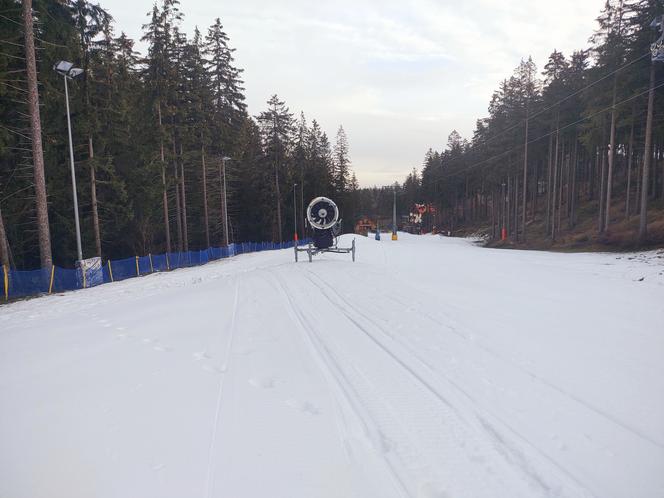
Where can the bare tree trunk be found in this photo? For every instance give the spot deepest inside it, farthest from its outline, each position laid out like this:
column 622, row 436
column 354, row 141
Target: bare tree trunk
column 568, row 180
column 93, row 197
column 178, row 206
column 629, row 167
column 493, row 216
column 573, row 194
column 278, row 196
column 602, row 191
column 167, row 226
column 302, row 215
column 41, row 200
column 555, row 189
column 647, row 153
column 612, row 154
column 503, row 205
column 4, row 244
column 223, row 199
column 593, row 166
column 563, row 162
column 525, row 181
column 653, row 181
column 466, row 218
column 549, row 181
column 206, row 218
column 659, row 157
column 185, row 230
column 534, row 192
column 516, row 208
column 508, row 212
column 639, row 175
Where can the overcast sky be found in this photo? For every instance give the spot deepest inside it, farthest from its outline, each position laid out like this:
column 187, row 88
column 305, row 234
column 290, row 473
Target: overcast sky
column 399, row 75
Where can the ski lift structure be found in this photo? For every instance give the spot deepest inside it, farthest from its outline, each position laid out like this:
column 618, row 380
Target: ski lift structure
column 323, row 218
column 657, row 48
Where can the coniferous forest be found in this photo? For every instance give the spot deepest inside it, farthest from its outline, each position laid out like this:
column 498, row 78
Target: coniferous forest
column 573, row 147
column 572, row 151
column 155, row 136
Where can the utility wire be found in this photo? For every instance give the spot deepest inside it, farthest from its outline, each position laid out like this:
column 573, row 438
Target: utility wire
column 520, row 123
column 517, row 147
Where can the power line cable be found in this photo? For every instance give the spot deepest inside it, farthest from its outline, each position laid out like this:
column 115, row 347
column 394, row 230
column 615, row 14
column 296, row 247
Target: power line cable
column 576, row 92
column 517, row 147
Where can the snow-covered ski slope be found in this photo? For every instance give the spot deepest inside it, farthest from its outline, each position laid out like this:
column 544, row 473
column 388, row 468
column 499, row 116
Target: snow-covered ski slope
column 428, row 368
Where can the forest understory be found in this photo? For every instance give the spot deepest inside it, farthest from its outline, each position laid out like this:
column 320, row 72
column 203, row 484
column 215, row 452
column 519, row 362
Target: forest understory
column 583, row 236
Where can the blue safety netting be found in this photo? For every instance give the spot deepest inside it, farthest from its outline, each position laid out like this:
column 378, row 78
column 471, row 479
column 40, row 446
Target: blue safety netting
column 65, row 279
column 28, row 283
column 145, row 265
column 122, row 269
column 19, row 283
column 159, row 262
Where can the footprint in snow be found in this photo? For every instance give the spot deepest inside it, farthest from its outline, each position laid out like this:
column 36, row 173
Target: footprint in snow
column 263, row 382
column 211, row 369
column 200, row 355
column 247, row 351
column 432, row 490
column 304, row 406
column 162, row 349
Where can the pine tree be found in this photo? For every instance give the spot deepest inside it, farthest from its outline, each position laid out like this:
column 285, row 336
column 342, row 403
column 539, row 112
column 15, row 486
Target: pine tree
column 341, row 162
column 277, row 126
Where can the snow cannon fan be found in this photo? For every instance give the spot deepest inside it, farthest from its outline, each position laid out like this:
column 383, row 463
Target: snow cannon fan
column 323, row 217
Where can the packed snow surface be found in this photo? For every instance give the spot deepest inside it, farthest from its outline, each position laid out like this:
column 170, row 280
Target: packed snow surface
column 429, row 368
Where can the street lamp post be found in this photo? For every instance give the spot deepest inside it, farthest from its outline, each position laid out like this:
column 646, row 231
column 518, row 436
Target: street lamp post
column 68, row 71
column 223, row 170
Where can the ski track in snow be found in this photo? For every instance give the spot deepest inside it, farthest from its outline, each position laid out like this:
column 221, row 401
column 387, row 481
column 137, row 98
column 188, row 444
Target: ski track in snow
column 430, row 368
column 209, row 480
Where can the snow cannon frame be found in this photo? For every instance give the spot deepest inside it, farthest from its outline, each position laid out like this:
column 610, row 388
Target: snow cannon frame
column 323, row 218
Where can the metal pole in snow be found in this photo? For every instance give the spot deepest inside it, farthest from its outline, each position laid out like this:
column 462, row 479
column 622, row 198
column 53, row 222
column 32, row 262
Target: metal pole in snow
column 73, row 177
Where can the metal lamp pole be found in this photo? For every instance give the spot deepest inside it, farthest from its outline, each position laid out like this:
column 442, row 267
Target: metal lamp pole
column 67, row 70
column 73, row 177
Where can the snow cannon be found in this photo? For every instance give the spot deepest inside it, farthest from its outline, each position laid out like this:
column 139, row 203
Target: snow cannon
column 323, row 218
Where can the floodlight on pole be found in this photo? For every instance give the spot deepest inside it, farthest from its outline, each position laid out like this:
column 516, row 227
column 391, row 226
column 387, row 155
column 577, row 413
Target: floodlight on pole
column 68, row 71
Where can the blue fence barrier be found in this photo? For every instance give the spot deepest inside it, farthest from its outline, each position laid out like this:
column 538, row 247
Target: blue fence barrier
column 24, row 283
